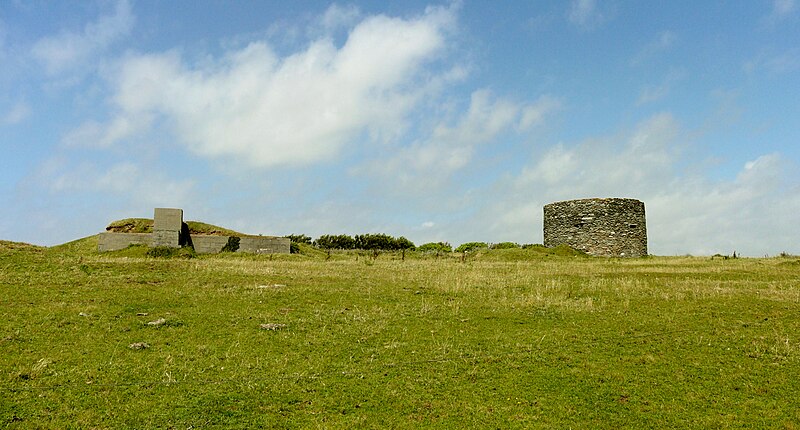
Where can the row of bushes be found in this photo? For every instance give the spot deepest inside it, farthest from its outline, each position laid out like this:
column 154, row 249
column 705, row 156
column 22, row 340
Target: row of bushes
column 384, row 242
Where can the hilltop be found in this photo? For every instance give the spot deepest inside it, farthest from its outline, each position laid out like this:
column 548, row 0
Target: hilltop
column 145, row 225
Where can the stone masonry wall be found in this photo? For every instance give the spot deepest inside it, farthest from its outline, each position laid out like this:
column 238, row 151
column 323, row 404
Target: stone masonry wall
column 602, row 227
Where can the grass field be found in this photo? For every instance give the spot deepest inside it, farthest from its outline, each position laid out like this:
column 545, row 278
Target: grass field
column 502, row 339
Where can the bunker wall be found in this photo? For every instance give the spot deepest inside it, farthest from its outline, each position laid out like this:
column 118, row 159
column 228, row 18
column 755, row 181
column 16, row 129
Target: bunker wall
column 114, row 241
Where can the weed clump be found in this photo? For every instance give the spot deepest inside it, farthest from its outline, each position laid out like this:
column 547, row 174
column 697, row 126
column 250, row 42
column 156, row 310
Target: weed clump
column 232, row 245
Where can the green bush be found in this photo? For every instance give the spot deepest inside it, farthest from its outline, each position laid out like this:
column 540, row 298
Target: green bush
column 471, row 246
column 435, row 247
column 167, row 252
column 335, row 241
column 299, row 238
column 504, row 245
column 232, row 245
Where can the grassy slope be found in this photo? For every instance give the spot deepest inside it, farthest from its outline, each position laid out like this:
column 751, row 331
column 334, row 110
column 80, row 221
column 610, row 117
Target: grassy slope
column 145, row 225
column 503, row 339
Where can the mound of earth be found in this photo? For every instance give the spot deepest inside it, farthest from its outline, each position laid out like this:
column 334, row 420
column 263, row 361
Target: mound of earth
column 7, row 245
column 145, row 225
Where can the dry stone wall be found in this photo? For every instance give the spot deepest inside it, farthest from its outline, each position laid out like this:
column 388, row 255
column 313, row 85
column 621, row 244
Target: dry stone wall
column 603, row 227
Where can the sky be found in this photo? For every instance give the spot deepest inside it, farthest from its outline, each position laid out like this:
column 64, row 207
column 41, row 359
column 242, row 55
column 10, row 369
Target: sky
column 437, row 121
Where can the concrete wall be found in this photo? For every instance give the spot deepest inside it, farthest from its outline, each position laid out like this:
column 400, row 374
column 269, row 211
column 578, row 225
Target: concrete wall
column 265, row 244
column 113, row 241
column 170, row 231
column 252, row 244
column 167, row 226
column 208, row 244
column 602, row 227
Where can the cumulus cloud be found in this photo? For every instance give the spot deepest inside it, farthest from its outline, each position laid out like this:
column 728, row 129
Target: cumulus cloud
column 70, row 49
column 598, row 165
column 264, row 110
column 337, row 16
column 686, row 213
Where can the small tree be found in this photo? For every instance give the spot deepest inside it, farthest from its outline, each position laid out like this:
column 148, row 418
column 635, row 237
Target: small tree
column 402, row 244
column 299, row 238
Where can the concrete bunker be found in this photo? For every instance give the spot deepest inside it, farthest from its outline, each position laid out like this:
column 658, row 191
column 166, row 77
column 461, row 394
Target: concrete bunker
column 170, row 231
column 608, row 227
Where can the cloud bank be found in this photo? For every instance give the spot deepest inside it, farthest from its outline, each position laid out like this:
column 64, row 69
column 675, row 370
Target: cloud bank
column 263, row 110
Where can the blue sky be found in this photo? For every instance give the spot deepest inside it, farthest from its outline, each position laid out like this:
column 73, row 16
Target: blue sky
column 453, row 121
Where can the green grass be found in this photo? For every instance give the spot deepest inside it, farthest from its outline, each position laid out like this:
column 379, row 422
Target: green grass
column 511, row 338
column 145, row 225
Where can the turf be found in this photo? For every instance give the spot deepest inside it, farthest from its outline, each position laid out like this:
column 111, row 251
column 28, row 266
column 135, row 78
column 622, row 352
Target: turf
column 497, row 339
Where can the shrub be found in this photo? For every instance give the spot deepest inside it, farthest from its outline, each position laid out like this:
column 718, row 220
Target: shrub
column 299, row 238
column 471, row 246
column 402, row 243
column 232, row 245
column 504, row 245
column 375, row 241
column 435, row 247
column 339, row 241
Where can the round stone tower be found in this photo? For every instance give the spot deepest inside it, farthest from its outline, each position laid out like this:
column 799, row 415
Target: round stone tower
column 601, row 227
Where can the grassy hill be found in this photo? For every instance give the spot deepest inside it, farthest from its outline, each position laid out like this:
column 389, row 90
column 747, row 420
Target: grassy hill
column 497, row 339
column 145, row 225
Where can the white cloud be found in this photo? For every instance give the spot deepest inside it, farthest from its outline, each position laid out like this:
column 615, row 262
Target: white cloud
column 264, row 110
column 337, row 16
column 125, row 180
column 653, row 93
column 781, row 11
column 753, row 213
column 534, row 114
column 18, row 113
column 71, row 49
column 775, row 63
column 782, row 8
column 95, row 135
column 663, row 42
column 585, row 14
column 597, row 165
column 451, row 147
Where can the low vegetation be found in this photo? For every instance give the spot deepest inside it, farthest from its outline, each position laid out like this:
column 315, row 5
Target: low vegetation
column 145, row 225
column 522, row 337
